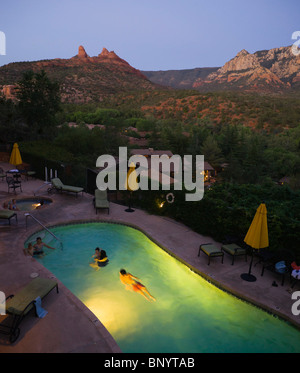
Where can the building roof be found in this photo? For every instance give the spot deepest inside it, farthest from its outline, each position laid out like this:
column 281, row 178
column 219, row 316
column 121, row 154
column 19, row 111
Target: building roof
column 208, row 167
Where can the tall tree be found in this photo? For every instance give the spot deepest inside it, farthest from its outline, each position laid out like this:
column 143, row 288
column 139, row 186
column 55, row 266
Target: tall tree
column 39, row 101
column 211, row 151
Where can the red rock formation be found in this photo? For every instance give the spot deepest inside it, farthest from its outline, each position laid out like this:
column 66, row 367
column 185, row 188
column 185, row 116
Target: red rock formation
column 260, row 71
column 81, row 52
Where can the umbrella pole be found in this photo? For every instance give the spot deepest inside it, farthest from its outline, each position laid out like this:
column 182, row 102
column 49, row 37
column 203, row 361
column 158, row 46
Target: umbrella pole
column 248, row 276
column 129, row 204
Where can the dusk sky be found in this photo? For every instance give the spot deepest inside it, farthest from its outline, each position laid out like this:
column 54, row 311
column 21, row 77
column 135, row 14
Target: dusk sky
column 150, row 35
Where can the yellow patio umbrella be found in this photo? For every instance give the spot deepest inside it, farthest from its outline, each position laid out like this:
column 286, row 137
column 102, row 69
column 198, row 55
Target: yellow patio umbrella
column 15, row 157
column 257, row 236
column 131, row 183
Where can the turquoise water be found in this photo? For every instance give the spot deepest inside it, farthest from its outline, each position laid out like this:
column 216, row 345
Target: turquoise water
column 189, row 314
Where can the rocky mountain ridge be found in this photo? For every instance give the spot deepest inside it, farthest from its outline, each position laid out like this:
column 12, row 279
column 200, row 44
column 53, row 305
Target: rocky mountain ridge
column 274, row 70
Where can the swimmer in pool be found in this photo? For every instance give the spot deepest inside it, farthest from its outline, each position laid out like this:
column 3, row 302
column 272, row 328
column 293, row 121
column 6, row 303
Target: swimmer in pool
column 100, row 259
column 132, row 283
column 38, row 247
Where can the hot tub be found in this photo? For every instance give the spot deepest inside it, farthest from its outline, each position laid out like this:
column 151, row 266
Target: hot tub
column 28, row 204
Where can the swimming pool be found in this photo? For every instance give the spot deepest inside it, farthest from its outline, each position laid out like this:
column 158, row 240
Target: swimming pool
column 189, row 315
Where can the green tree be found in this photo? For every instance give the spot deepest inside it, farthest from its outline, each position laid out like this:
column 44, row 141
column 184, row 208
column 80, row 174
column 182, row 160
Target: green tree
column 211, row 151
column 11, row 128
column 39, row 101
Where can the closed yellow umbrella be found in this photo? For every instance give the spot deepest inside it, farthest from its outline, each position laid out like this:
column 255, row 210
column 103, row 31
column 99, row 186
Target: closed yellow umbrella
column 257, row 236
column 15, row 157
column 131, row 179
column 131, row 183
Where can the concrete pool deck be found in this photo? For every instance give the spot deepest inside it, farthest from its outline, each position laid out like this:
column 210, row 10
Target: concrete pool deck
column 71, row 327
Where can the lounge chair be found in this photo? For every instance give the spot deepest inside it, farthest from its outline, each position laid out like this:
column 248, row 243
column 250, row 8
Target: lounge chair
column 210, row 250
column 6, row 214
column 234, row 250
column 58, row 185
column 100, row 200
column 20, row 304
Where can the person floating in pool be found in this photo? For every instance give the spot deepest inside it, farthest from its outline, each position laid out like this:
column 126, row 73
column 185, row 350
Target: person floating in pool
column 39, row 245
column 100, row 259
column 133, row 283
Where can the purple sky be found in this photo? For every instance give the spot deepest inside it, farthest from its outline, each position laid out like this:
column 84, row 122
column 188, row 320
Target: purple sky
column 149, row 34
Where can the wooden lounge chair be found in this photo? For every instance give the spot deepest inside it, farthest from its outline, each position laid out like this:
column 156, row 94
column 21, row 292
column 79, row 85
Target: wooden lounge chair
column 234, row 250
column 100, row 200
column 58, row 185
column 210, row 250
column 20, row 304
column 6, row 214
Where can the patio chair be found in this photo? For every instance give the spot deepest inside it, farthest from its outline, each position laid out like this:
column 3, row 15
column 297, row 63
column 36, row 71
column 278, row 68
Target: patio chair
column 100, row 200
column 13, row 184
column 5, row 214
column 271, row 263
column 211, row 251
column 26, row 171
column 59, row 186
column 20, row 304
column 234, row 250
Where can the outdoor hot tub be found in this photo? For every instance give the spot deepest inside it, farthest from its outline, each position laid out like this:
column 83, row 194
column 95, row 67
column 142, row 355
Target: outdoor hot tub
column 27, row 204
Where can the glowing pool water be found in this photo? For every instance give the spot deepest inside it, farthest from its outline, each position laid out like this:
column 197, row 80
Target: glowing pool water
column 189, row 315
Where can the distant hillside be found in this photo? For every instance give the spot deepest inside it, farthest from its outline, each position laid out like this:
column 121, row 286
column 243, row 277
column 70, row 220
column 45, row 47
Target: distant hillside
column 180, row 79
column 254, row 110
column 82, row 78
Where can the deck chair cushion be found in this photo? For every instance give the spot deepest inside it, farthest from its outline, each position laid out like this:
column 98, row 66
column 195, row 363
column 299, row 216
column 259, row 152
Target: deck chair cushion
column 39, row 287
column 6, row 214
column 101, row 199
column 211, row 250
column 67, row 188
column 57, row 183
column 234, row 249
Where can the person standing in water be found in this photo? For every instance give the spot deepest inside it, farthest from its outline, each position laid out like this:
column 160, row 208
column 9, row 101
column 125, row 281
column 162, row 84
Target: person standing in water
column 39, row 245
column 133, row 283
